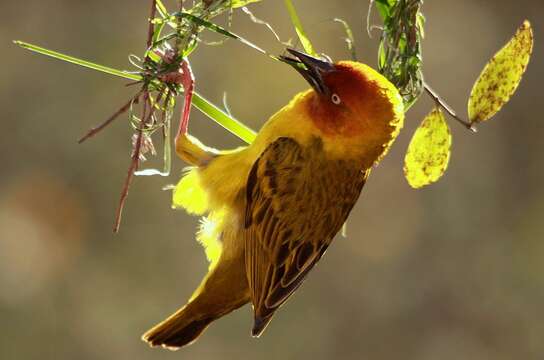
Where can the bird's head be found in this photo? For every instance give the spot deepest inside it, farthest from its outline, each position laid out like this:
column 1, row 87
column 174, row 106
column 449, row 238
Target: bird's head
column 350, row 99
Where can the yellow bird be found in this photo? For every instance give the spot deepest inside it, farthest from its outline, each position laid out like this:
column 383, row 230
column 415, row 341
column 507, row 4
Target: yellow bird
column 272, row 208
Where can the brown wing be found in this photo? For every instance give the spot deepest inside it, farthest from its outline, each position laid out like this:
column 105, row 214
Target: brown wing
column 297, row 201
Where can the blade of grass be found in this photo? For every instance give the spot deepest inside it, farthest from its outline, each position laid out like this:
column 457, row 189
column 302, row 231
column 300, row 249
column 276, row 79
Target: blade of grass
column 164, row 14
column 218, row 29
column 219, row 116
column 258, row 21
column 76, row 61
column 213, row 112
column 350, row 39
column 161, row 9
column 306, row 44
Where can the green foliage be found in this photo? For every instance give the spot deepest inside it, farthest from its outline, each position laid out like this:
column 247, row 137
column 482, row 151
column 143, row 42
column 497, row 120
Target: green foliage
column 240, row 3
column 399, row 54
column 76, row 61
column 228, row 122
column 163, row 74
column 385, row 8
column 350, row 39
column 218, row 29
column 213, row 112
column 400, row 60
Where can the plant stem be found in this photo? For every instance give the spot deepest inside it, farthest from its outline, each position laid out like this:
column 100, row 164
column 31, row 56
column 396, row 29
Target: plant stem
column 121, row 110
column 135, row 160
column 441, row 103
column 234, row 126
column 151, row 28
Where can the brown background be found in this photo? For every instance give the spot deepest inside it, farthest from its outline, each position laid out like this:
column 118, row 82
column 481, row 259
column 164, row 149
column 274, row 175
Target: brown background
column 454, row 271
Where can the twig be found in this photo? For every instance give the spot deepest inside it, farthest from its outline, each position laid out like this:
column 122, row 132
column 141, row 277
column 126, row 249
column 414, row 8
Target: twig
column 121, row 110
column 164, row 113
column 368, row 14
column 440, row 102
column 151, row 28
column 135, row 160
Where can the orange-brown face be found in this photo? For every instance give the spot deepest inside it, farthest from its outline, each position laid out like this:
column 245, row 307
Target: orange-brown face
column 356, row 109
column 356, row 101
column 350, row 99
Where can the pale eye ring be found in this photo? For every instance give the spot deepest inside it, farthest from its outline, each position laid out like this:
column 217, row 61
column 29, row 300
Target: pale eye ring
column 336, row 99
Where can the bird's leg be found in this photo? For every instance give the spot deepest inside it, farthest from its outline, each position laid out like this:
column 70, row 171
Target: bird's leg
column 188, row 82
column 189, row 148
column 192, row 151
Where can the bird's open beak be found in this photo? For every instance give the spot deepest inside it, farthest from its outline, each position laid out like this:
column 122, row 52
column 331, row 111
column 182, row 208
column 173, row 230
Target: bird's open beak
column 311, row 68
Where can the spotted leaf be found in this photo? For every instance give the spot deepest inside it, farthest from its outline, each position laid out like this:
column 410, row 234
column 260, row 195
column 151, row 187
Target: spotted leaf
column 501, row 76
column 428, row 154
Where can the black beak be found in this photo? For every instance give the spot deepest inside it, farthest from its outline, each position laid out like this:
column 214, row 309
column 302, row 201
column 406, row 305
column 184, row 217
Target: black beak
column 311, row 68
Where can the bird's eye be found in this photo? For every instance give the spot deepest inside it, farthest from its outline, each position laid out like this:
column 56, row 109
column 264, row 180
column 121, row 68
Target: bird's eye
column 336, row 99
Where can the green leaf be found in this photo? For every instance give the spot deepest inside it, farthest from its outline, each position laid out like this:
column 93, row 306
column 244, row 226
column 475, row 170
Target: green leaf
column 399, row 55
column 428, row 154
column 384, row 8
column 306, row 44
column 501, row 76
column 258, row 21
column 213, row 112
column 421, row 24
column 241, row 3
column 199, row 21
column 382, row 56
column 218, row 29
column 163, row 13
column 76, row 61
column 350, row 39
column 219, row 116
column 161, row 8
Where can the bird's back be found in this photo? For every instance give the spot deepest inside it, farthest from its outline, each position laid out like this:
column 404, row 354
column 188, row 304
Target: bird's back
column 297, row 200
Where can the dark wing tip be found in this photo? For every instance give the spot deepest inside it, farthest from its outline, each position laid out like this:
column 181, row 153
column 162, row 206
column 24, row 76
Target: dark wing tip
column 260, row 325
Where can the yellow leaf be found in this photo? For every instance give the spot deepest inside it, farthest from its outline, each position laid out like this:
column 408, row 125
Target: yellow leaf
column 428, row 154
column 501, row 76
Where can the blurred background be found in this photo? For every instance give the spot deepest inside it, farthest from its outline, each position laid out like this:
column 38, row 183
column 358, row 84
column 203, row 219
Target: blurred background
column 453, row 271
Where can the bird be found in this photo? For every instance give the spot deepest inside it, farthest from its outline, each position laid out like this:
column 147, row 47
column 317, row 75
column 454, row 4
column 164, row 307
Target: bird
column 272, row 208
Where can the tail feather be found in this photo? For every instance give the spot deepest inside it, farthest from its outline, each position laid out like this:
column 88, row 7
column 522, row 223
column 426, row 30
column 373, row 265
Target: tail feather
column 223, row 290
column 178, row 330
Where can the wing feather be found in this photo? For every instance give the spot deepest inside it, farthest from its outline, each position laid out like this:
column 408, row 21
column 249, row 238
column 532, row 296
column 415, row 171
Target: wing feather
column 297, row 200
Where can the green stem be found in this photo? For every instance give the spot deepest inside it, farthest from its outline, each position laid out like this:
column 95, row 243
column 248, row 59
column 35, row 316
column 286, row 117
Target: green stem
column 213, row 112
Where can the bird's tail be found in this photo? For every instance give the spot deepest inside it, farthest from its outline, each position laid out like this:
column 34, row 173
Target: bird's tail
column 223, row 290
column 180, row 329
